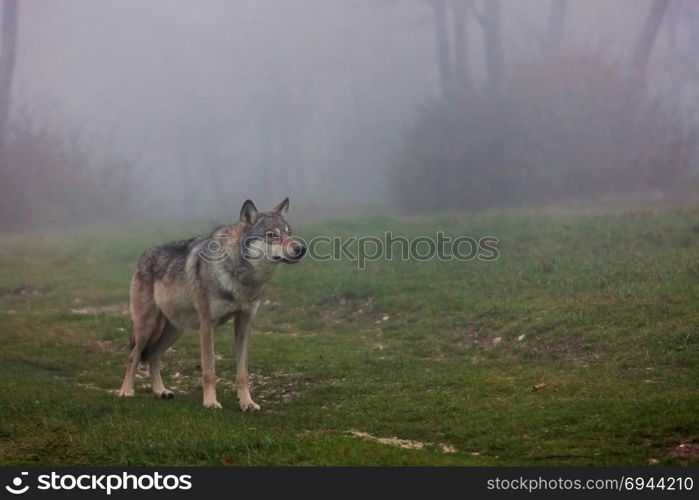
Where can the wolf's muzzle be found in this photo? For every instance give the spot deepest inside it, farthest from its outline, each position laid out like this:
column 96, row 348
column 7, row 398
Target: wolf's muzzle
column 294, row 253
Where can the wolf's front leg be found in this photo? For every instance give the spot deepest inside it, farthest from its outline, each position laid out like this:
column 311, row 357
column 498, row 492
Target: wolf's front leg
column 208, row 363
column 242, row 341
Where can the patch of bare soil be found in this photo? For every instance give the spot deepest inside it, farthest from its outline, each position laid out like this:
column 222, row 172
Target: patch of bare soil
column 570, row 348
column 95, row 387
column 105, row 346
column 574, row 347
column 111, row 309
column 88, row 385
column 686, row 450
column 466, row 337
column 21, row 291
column 408, row 444
column 276, row 387
column 351, row 309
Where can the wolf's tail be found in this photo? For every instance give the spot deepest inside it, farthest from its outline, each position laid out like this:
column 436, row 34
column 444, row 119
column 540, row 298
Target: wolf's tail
column 154, row 337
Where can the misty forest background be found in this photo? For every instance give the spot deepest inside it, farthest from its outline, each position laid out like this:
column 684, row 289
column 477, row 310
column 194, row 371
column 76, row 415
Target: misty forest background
column 110, row 110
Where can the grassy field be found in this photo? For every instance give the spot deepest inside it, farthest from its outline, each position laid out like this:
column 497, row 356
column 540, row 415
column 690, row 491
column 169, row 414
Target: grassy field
column 578, row 346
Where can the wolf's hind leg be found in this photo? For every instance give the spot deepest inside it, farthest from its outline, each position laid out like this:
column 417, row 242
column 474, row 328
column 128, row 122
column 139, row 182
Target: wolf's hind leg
column 146, row 319
column 153, row 354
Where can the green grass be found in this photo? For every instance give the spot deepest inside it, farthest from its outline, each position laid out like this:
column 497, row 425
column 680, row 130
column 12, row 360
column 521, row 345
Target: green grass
column 599, row 312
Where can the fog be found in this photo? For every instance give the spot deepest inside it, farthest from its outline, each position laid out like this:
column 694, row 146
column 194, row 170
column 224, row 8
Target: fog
column 207, row 103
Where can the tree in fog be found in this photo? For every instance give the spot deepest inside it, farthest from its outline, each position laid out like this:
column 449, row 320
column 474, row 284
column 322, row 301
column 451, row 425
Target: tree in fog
column 556, row 25
column 452, row 47
column 441, row 32
column 8, row 49
column 565, row 124
column 490, row 19
column 646, row 39
column 462, row 73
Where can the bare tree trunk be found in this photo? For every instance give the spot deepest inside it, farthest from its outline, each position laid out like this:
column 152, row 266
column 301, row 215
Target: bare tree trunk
column 691, row 14
column 8, row 49
column 557, row 20
column 491, row 22
column 441, row 32
column 672, row 23
column 462, row 71
column 646, row 39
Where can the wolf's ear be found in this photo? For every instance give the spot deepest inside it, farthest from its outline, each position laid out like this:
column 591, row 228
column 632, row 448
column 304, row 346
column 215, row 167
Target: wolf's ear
column 282, row 208
column 248, row 213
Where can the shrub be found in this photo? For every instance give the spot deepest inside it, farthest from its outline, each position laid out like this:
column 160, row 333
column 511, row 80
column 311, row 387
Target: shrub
column 570, row 127
column 48, row 176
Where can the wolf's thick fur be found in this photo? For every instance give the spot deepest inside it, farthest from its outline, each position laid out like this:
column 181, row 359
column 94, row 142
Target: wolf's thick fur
column 201, row 283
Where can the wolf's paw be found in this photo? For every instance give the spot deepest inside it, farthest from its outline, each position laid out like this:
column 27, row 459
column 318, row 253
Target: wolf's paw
column 213, row 404
column 249, row 406
column 165, row 394
column 126, row 393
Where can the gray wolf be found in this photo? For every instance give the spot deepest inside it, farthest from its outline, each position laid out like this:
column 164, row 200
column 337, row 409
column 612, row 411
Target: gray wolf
column 201, row 283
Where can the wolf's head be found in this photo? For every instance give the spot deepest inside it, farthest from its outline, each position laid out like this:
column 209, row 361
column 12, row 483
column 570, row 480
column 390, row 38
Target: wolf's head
column 267, row 235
